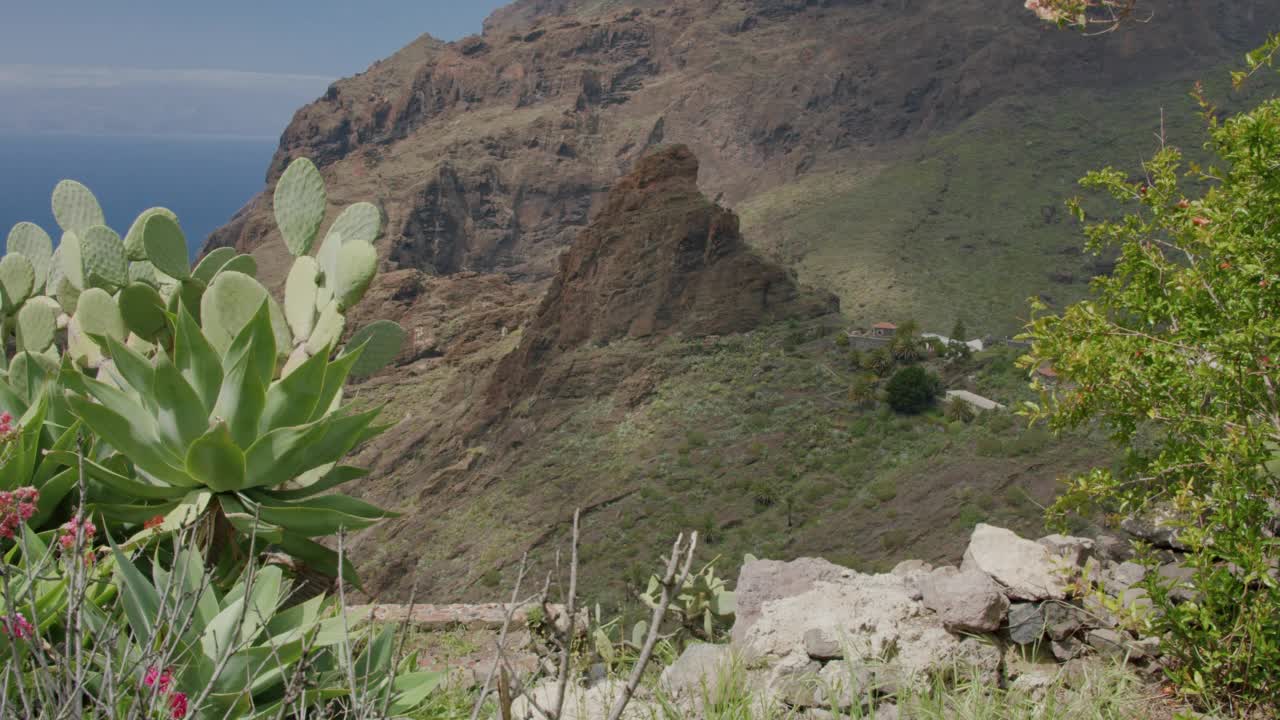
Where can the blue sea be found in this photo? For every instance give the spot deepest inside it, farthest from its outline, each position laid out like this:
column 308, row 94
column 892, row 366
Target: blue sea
column 204, row 180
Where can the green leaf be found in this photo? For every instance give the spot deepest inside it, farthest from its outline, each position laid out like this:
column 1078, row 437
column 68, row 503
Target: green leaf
column 381, row 341
column 241, row 399
column 335, row 376
column 361, row 222
column 318, row 557
column 249, row 525
column 180, row 414
column 256, row 341
column 215, row 460
column 133, row 367
column 244, row 264
column 136, row 441
column 322, row 515
column 141, row 601
column 292, row 399
column 197, row 360
column 339, row 475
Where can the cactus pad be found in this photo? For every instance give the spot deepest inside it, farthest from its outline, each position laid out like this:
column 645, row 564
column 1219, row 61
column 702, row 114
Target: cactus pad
column 103, row 258
column 166, row 246
column 358, row 223
column 357, row 264
column 69, row 260
column 37, row 323
column 328, row 329
column 212, row 264
column 97, row 314
column 144, row 272
column 230, row 302
column 242, row 264
column 299, row 205
column 300, row 296
column 143, row 310
column 75, row 208
column 33, row 242
column 328, row 259
column 382, row 340
column 17, row 278
column 84, row 352
column 133, row 243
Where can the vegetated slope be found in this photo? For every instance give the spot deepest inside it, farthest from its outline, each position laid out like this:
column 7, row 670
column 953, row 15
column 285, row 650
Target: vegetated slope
column 848, row 133
column 671, row 379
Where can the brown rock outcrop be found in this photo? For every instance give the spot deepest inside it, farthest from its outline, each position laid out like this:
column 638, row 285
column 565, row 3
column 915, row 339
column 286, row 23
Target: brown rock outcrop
column 660, row 258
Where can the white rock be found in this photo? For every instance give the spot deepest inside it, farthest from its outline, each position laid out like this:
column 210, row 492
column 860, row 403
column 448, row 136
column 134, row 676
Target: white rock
column 965, row 601
column 696, row 671
column 1024, row 567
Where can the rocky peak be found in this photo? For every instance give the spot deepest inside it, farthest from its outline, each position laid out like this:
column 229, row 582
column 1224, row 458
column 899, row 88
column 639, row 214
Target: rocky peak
column 660, row 258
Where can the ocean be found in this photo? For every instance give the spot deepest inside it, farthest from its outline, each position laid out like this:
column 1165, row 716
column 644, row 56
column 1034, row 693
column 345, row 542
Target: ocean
column 205, row 180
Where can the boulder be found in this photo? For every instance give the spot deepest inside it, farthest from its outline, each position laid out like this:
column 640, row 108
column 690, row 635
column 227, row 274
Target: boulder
column 1026, row 623
column 1158, row 526
column 794, row 681
column 1119, row 578
column 697, row 669
column 1024, row 567
column 581, row 703
column 1062, row 620
column 965, row 601
column 1066, row 649
column 762, row 581
column 1117, row 644
column 1178, row 577
column 841, row 685
column 822, row 645
column 1112, row 548
column 1074, row 551
column 874, row 616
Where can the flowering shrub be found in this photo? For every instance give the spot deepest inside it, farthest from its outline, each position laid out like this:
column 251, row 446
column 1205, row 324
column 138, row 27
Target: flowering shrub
column 16, row 507
column 16, row 626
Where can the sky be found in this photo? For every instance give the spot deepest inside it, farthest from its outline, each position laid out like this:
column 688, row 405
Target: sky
column 198, row 66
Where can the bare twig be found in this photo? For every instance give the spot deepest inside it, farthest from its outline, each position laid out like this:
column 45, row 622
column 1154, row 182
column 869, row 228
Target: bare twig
column 502, row 638
column 566, row 645
column 671, row 585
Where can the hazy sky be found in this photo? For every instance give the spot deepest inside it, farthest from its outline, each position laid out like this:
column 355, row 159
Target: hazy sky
column 305, row 37
column 197, row 67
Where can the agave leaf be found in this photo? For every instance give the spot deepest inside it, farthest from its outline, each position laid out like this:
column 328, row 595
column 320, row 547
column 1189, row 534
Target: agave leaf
column 215, row 460
column 241, row 399
column 140, row 599
column 338, row 475
column 322, row 515
column 136, row 370
column 292, row 399
column 197, row 360
column 321, row 558
column 180, row 414
column 335, row 376
column 135, row 441
column 245, row 519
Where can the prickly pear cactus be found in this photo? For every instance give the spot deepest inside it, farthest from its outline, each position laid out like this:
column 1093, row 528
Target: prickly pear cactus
column 97, row 287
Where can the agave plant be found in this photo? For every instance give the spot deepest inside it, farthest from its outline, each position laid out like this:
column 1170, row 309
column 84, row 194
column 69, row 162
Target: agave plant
column 213, row 440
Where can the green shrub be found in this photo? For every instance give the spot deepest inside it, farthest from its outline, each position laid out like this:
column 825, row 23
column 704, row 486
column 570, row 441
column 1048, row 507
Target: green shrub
column 1181, row 342
column 912, row 390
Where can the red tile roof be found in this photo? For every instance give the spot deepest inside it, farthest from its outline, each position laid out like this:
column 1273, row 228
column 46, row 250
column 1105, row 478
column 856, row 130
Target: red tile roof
column 885, row 326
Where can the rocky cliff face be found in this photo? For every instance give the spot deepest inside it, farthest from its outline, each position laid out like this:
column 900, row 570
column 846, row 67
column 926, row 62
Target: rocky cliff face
column 489, row 154
column 658, row 259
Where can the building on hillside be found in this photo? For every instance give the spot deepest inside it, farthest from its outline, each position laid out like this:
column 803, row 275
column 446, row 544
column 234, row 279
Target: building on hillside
column 973, row 345
column 884, row 329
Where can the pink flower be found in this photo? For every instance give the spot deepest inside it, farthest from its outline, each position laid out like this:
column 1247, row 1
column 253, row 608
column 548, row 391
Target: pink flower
column 16, row 507
column 17, row 625
column 178, row 706
column 154, row 676
column 68, row 537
